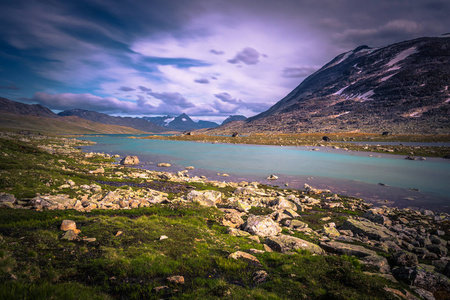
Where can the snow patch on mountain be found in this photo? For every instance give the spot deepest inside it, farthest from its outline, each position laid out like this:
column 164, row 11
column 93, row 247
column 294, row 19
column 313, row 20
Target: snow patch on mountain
column 401, row 56
column 387, row 77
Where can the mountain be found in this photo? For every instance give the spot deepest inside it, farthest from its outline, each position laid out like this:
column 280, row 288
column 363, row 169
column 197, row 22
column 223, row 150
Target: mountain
column 18, row 108
column 37, row 118
column 136, row 123
column 400, row 88
column 181, row 123
column 233, row 118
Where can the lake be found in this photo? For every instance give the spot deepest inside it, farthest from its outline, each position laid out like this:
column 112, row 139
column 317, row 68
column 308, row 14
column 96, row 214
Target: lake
column 351, row 173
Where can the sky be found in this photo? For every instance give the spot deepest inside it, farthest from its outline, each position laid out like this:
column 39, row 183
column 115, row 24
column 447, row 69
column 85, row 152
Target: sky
column 207, row 58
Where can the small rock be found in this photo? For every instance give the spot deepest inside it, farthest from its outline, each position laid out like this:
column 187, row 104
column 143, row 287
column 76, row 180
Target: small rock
column 178, row 279
column 260, row 276
column 89, row 240
column 130, row 160
column 164, row 165
column 272, row 177
column 245, row 256
column 70, row 235
column 163, row 237
column 68, row 225
column 119, row 233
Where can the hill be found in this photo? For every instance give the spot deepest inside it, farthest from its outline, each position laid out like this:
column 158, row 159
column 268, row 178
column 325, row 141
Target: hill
column 18, row 108
column 60, row 125
column 400, row 88
column 136, row 123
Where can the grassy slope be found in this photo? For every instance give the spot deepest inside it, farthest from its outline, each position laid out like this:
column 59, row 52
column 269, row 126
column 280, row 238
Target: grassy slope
column 65, row 125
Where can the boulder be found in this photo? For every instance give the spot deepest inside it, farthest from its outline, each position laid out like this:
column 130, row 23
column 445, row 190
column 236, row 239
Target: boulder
column 296, row 224
column 425, row 277
column 250, row 259
column 347, row 249
column 68, row 225
column 272, row 177
column 367, row 228
column 232, row 218
column 405, row 259
column 205, row 198
column 281, row 203
column 236, row 232
column 261, row 226
column 286, row 244
column 366, row 256
column 130, row 160
column 375, row 216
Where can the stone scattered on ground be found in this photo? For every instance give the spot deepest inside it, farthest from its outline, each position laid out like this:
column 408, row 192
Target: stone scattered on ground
column 130, row 160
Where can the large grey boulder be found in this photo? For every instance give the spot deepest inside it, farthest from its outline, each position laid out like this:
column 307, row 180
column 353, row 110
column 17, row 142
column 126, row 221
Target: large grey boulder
column 424, row 276
column 366, row 256
column 347, row 249
column 205, row 198
column 262, row 226
column 376, row 215
column 130, row 160
column 405, row 258
column 367, row 228
column 286, row 244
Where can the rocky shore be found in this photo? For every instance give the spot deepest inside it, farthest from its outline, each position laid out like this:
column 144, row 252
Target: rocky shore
column 403, row 246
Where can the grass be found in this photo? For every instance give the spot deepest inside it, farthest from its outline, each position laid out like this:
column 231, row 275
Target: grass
column 35, row 263
column 132, row 264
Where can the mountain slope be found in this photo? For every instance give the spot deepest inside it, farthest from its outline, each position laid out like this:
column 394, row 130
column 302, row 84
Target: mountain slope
column 401, row 88
column 60, row 125
column 94, row 116
column 38, row 110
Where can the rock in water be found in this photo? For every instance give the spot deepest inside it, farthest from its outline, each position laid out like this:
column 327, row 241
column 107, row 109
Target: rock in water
column 130, row 160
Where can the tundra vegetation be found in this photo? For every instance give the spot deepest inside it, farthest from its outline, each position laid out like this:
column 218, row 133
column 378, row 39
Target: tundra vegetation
column 77, row 225
column 334, row 140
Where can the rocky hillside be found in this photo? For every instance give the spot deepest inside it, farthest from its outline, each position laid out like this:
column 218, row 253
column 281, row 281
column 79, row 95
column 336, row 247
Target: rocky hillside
column 181, row 123
column 136, row 123
column 142, row 234
column 401, row 88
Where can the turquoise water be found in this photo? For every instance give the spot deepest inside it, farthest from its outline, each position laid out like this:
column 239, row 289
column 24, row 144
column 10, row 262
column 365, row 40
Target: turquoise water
column 431, row 177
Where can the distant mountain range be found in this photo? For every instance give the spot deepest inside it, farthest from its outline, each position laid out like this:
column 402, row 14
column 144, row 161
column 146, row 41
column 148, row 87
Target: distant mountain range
column 37, row 118
column 136, row 123
column 181, row 123
column 400, row 88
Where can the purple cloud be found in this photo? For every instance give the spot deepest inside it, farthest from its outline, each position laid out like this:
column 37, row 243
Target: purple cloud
column 217, row 52
column 126, row 89
column 296, row 72
column 248, row 56
column 144, row 89
column 173, row 99
column 202, row 80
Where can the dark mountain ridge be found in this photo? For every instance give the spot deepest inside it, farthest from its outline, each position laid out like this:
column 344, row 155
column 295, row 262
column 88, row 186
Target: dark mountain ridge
column 181, row 123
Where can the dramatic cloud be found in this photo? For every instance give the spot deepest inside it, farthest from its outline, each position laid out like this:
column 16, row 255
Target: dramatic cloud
column 202, row 80
column 126, row 89
column 104, row 55
column 248, row 56
column 299, row 72
column 144, row 89
column 175, row 99
column 217, row 52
